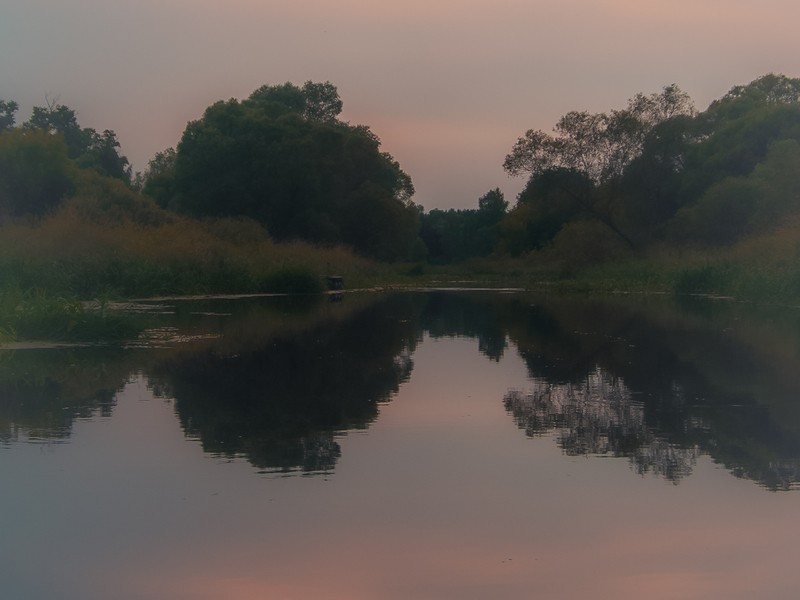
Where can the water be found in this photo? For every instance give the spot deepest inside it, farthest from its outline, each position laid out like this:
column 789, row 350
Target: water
column 421, row 445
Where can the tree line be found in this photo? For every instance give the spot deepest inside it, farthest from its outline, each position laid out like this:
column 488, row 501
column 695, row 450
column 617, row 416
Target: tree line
column 600, row 186
column 659, row 172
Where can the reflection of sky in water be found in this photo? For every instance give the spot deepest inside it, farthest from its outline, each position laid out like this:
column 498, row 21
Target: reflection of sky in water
column 441, row 497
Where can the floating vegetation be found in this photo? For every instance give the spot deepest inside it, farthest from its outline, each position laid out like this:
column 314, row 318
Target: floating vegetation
column 163, row 337
column 38, row 315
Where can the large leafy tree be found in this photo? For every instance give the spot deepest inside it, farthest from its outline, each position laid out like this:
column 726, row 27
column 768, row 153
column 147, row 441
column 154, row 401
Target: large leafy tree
column 736, row 132
column 657, row 170
column 43, row 160
column 283, row 157
column 599, row 145
column 35, row 173
column 8, row 109
column 90, row 149
column 575, row 172
column 739, row 172
column 454, row 235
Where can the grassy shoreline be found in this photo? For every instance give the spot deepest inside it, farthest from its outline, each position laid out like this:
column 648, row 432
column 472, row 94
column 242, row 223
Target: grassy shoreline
column 58, row 276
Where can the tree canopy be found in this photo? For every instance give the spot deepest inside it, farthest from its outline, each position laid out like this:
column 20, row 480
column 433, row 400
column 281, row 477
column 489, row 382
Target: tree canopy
column 599, row 186
column 35, row 173
column 90, row 149
column 657, row 170
column 600, row 145
column 283, row 157
column 41, row 159
column 8, row 109
column 454, row 235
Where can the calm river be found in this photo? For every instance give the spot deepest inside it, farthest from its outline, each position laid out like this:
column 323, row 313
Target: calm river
column 411, row 446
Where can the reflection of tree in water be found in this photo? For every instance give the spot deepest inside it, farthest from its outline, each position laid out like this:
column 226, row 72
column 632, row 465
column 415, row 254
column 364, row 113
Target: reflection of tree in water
column 656, row 386
column 598, row 416
column 282, row 404
column 697, row 388
column 467, row 315
column 42, row 392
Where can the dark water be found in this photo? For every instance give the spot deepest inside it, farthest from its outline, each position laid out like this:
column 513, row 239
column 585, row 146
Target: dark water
column 428, row 445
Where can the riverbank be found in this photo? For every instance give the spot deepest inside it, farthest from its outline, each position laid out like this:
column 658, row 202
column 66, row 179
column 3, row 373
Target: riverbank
column 59, row 276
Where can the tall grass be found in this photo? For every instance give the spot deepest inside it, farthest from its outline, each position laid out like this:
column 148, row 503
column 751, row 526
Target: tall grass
column 763, row 268
column 109, row 242
column 68, row 254
column 36, row 314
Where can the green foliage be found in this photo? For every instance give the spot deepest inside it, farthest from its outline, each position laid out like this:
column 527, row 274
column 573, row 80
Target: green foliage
column 583, row 164
column 42, row 161
column 649, row 192
column 739, row 206
column 549, row 201
column 721, row 216
column 108, row 201
column 86, row 146
column 657, row 171
column 492, row 206
column 37, row 315
column 314, row 101
column 736, row 146
column 778, row 176
column 455, row 235
column 598, row 145
column 770, row 89
column 8, row 109
column 108, row 240
column 159, row 177
column 583, row 243
column 35, row 173
column 283, row 158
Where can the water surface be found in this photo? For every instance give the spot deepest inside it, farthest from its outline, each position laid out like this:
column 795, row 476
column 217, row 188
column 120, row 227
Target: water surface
column 419, row 445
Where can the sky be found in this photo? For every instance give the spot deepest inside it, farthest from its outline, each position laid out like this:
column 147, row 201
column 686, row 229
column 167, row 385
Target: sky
column 447, row 85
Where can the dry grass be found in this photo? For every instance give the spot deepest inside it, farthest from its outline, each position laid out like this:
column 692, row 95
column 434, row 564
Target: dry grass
column 70, row 253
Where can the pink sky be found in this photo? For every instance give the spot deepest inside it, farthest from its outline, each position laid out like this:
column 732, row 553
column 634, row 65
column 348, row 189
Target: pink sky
column 448, row 86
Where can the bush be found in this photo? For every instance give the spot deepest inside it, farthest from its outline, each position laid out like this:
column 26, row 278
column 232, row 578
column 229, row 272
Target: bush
column 721, row 216
column 584, row 243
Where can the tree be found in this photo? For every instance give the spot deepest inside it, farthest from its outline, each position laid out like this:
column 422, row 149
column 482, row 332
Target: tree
column 547, row 203
column 57, row 118
column 596, row 149
column 492, row 206
column 771, row 89
column 8, row 109
column 455, row 235
column 314, row 101
column 322, row 102
column 736, row 132
column 650, row 190
column 283, row 158
column 700, row 180
column 35, row 173
column 90, row 149
column 102, row 154
column 599, row 145
column 158, row 178
column 736, row 206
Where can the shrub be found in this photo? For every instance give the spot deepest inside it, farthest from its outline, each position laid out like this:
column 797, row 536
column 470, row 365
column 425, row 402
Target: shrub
column 584, row 243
